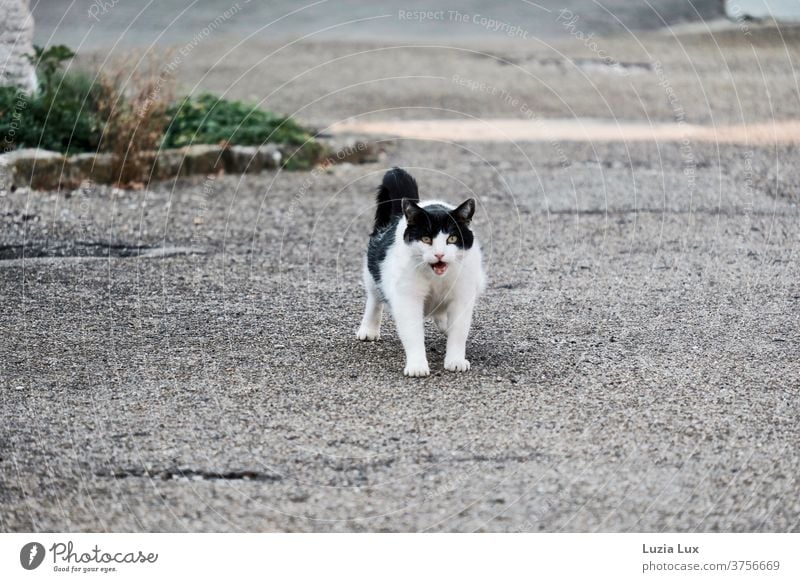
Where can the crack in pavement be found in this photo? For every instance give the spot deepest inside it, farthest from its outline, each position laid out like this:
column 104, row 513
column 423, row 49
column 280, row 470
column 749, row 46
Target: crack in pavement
column 178, row 474
column 90, row 250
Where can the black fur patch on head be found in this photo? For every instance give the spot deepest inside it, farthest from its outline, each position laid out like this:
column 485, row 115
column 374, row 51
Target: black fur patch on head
column 434, row 219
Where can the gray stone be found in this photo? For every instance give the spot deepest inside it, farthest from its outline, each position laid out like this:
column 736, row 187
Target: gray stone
column 35, row 168
column 45, row 170
column 271, row 156
column 242, row 159
column 252, row 159
column 169, row 164
column 6, row 174
column 98, row 168
column 202, row 159
column 16, row 41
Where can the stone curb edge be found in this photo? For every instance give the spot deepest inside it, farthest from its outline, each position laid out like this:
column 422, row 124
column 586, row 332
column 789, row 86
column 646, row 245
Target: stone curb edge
column 39, row 169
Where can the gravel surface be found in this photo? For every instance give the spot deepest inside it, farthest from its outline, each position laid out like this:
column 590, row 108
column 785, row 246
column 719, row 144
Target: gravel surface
column 634, row 358
column 183, row 358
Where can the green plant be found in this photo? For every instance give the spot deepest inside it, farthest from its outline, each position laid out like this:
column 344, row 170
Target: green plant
column 60, row 116
column 208, row 119
column 48, row 62
column 72, row 112
column 59, row 119
column 128, row 115
column 63, row 118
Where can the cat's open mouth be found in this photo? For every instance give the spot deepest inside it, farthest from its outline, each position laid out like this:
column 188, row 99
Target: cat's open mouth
column 439, row 268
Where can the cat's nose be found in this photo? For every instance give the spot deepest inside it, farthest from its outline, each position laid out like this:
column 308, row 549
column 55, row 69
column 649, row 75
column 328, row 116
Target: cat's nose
column 438, row 255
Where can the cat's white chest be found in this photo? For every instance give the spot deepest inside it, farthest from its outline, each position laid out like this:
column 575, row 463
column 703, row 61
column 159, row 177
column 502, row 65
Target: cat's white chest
column 440, row 293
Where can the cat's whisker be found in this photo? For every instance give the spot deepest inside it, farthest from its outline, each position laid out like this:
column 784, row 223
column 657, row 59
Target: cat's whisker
column 422, row 262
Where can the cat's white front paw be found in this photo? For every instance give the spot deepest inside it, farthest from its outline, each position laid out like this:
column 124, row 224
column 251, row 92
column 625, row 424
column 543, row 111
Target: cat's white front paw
column 417, row 369
column 368, row 335
column 456, row 364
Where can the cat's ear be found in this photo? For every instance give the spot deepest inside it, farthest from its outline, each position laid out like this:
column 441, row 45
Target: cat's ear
column 411, row 210
column 464, row 212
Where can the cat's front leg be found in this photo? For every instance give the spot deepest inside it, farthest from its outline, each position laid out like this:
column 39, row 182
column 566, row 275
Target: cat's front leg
column 459, row 319
column 408, row 317
column 370, row 328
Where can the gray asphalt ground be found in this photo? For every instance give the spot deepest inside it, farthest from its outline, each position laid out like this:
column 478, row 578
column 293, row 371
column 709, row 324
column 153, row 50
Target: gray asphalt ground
column 100, row 24
column 634, row 359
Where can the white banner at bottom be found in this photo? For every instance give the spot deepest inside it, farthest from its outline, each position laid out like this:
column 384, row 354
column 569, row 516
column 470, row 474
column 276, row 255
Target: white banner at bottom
column 118, row 557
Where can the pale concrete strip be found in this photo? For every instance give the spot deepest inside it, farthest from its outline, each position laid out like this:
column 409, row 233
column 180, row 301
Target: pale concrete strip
column 787, row 131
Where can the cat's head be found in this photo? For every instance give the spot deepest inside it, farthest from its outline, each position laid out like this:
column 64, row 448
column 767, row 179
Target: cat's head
column 438, row 235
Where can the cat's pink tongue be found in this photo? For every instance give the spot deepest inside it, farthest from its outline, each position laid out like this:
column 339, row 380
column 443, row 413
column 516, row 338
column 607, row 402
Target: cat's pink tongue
column 439, row 268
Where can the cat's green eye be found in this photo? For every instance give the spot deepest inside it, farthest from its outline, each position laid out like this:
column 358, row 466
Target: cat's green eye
column 426, row 240
column 452, row 239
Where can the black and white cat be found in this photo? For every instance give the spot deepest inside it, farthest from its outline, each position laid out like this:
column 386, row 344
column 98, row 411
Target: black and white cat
column 422, row 261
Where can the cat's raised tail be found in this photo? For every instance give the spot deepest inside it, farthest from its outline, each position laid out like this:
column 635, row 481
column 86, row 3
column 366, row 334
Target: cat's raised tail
column 397, row 184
